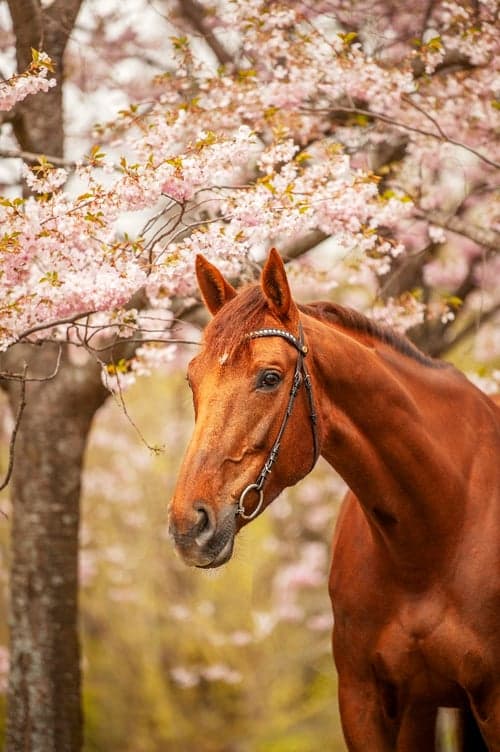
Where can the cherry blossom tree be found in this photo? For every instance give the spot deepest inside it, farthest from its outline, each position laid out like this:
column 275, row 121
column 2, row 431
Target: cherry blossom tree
column 360, row 138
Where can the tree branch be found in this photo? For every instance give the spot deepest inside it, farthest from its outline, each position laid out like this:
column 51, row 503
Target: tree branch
column 50, row 324
column 194, row 13
column 480, row 235
column 8, row 376
column 17, row 423
column 33, row 158
column 297, row 248
column 38, row 124
column 447, row 343
column 440, row 136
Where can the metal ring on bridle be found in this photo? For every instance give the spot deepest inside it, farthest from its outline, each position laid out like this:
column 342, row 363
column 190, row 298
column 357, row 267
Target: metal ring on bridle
column 241, row 506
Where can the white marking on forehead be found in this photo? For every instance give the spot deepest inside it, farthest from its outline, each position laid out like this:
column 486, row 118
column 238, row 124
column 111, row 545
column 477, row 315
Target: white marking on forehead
column 223, row 358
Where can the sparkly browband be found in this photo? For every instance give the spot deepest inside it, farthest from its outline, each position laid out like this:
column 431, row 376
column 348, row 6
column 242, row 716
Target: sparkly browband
column 300, row 346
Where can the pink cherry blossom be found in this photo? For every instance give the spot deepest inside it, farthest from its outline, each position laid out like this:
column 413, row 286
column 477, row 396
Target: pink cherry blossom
column 30, row 82
column 228, row 161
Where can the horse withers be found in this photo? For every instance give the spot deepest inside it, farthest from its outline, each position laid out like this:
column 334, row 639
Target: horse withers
column 415, row 577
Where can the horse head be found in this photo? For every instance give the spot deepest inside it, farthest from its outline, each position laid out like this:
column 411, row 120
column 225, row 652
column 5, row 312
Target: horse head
column 246, row 384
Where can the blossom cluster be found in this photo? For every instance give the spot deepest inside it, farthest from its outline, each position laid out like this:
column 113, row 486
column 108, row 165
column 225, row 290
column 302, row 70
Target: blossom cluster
column 32, row 81
column 279, row 145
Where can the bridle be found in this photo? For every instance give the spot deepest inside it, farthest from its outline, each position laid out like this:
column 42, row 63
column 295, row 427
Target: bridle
column 300, row 376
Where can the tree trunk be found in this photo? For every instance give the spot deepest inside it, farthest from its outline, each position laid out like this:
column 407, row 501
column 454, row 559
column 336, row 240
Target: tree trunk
column 43, row 705
column 38, row 121
column 44, row 712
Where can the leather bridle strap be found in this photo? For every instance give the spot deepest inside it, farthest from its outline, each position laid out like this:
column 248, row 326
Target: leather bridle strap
column 301, row 375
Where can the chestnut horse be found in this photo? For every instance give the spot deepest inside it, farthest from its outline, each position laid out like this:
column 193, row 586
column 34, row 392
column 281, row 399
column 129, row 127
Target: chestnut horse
column 415, row 579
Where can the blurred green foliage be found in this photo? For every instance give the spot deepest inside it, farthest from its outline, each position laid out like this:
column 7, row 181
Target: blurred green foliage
column 177, row 659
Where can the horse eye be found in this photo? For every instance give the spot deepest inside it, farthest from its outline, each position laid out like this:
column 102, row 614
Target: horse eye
column 268, row 380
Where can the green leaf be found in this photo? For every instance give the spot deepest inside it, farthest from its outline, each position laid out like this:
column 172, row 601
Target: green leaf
column 434, row 44
column 95, row 218
column 121, row 366
column 95, row 154
column 387, row 194
column 175, row 162
column 209, row 139
column 246, row 73
column 347, row 38
column 362, row 120
column 52, row 278
column 453, row 301
column 302, row 156
column 180, row 43
column 267, row 183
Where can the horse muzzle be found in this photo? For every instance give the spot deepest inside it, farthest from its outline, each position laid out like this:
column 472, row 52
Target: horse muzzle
column 205, row 538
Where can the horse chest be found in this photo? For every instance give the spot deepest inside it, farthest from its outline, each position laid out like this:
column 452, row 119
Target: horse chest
column 408, row 638
column 422, row 649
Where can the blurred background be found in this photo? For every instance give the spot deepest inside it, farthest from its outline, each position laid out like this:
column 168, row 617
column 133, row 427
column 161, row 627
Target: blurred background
column 174, row 659
column 238, row 659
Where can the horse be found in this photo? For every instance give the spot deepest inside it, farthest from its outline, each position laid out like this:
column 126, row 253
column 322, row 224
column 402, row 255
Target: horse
column 415, row 576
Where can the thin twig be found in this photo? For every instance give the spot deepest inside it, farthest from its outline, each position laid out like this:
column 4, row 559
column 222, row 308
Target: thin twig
column 398, row 124
column 446, row 345
column 50, row 325
column 119, row 341
column 121, row 400
column 33, row 157
column 6, row 376
column 429, row 117
column 195, row 13
column 480, row 235
column 12, row 443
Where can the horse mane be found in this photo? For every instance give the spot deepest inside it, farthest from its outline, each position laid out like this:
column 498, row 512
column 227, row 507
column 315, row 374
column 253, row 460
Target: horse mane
column 355, row 321
column 250, row 306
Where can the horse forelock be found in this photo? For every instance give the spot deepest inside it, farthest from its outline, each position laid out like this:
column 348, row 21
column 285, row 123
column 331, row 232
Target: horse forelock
column 241, row 315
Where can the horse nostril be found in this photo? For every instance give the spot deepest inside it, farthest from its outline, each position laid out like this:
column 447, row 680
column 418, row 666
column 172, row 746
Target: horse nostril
column 203, row 520
column 205, row 525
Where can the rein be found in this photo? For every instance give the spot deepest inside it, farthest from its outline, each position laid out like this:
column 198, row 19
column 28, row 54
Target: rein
column 300, row 376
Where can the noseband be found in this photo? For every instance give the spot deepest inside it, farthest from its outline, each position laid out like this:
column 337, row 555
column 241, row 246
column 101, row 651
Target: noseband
column 300, row 376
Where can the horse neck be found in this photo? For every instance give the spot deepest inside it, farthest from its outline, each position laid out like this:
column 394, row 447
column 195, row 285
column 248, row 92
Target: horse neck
column 389, row 425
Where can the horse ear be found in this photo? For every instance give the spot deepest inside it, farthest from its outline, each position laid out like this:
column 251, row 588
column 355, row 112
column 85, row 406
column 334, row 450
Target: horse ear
column 215, row 290
column 276, row 288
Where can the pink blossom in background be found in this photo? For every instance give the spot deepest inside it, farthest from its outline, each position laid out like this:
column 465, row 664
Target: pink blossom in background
column 253, row 158
column 308, row 572
column 184, row 677
column 87, row 566
column 401, row 315
column 190, row 677
column 321, row 622
column 4, row 668
column 447, row 272
column 220, row 672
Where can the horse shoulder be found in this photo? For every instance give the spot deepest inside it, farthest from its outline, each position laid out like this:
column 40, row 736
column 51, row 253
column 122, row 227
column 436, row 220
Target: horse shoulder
column 357, row 570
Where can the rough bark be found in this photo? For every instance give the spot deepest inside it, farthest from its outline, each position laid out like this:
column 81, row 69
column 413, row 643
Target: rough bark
column 44, row 709
column 44, row 712
column 38, row 121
